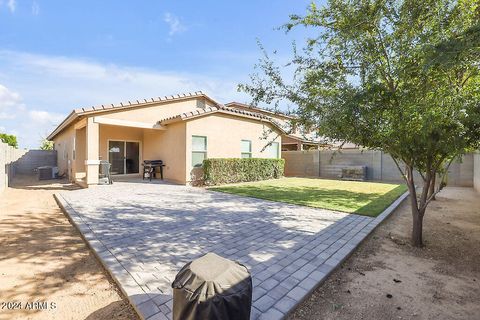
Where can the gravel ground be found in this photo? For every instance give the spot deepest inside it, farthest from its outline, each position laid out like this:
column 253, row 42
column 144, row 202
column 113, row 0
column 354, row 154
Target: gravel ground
column 44, row 259
column 387, row 278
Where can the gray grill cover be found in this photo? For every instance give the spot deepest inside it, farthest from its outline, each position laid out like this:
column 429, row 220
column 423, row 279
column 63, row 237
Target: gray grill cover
column 212, row 287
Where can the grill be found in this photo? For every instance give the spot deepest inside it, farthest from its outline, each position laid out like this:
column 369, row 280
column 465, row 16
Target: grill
column 150, row 169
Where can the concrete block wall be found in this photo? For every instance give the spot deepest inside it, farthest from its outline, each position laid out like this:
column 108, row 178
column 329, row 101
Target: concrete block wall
column 15, row 161
column 33, row 159
column 476, row 171
column 301, row 163
column 8, row 156
column 461, row 172
column 380, row 166
column 331, row 162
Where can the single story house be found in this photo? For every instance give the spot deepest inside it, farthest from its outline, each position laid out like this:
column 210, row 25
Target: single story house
column 181, row 130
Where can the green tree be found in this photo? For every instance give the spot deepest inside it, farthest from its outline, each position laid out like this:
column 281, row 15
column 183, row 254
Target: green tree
column 393, row 75
column 9, row 139
column 46, row 145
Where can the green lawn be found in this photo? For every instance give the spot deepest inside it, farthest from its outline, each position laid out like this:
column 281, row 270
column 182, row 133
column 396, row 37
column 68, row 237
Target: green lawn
column 365, row 198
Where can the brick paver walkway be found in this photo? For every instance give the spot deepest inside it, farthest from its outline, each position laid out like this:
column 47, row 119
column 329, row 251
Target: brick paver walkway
column 144, row 234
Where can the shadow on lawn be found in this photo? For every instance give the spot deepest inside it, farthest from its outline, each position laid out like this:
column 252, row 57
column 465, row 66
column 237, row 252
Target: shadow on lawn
column 368, row 204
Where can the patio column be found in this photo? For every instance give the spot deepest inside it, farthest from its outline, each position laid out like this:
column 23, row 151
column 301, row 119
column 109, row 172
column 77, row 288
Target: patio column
column 92, row 162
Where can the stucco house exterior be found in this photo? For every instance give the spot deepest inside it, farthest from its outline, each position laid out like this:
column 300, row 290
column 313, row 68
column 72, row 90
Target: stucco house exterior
column 181, row 130
column 293, row 139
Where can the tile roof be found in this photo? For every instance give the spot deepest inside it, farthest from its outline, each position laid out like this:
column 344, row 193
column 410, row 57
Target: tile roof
column 220, row 109
column 141, row 102
column 125, row 105
column 198, row 112
column 279, row 114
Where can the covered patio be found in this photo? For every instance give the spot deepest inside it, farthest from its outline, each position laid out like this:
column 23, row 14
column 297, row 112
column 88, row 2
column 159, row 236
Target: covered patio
column 124, row 144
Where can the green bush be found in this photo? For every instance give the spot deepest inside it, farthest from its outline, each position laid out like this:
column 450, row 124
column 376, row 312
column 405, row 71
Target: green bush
column 9, row 139
column 231, row 170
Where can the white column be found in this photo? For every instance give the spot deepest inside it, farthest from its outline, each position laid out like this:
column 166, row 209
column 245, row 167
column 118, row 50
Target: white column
column 92, row 153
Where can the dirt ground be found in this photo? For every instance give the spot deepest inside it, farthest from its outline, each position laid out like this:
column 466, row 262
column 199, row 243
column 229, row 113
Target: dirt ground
column 43, row 259
column 387, row 278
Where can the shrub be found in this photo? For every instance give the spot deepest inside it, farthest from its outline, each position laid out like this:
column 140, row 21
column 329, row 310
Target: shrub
column 231, row 170
column 9, row 139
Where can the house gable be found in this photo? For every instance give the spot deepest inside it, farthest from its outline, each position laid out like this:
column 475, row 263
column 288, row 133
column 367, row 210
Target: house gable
column 140, row 110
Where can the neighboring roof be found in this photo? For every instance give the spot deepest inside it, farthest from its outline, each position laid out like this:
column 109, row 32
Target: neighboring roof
column 125, row 106
column 322, row 141
column 222, row 110
column 304, row 139
column 257, row 109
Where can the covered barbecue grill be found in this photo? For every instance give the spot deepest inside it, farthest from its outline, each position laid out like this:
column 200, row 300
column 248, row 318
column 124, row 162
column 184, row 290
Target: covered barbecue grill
column 210, row 288
column 150, row 169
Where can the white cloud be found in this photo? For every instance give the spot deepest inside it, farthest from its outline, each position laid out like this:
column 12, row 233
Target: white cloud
column 35, row 8
column 45, row 89
column 45, row 117
column 10, row 103
column 174, row 24
column 28, row 125
column 11, row 4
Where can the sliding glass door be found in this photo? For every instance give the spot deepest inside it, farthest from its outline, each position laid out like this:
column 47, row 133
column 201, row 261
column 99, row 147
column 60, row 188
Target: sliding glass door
column 116, row 156
column 132, row 161
column 124, row 157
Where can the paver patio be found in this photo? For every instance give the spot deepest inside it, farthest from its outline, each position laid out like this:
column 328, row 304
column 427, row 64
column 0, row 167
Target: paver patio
column 144, row 234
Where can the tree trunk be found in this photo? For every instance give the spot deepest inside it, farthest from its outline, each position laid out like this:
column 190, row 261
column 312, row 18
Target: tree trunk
column 417, row 230
column 432, row 187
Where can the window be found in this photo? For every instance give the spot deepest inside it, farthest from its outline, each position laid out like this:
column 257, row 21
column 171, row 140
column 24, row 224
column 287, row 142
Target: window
column 273, row 150
column 199, row 150
column 246, row 148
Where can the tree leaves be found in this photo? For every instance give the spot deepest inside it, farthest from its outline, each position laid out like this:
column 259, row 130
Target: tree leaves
column 401, row 76
column 398, row 75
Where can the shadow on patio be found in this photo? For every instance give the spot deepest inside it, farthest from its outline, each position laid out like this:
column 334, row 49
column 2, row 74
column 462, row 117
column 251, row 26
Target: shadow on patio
column 154, row 230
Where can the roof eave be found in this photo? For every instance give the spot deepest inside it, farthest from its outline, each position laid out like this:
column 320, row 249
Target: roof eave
column 107, row 108
column 184, row 117
column 65, row 123
column 257, row 109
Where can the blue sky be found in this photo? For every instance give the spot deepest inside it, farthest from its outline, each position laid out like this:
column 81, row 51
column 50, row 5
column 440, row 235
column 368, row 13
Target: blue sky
column 59, row 55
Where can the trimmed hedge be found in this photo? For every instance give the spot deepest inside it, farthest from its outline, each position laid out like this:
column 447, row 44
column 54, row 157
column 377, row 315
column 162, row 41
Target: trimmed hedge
column 232, row 170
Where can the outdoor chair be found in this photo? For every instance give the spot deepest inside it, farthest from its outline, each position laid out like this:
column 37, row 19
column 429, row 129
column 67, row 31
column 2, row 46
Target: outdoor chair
column 105, row 176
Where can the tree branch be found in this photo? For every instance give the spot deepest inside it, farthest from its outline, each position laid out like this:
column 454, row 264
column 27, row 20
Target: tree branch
column 442, row 182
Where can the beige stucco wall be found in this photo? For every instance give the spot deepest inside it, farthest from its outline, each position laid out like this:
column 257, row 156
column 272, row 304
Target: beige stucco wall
column 224, row 134
column 80, row 150
column 64, row 144
column 293, row 144
column 168, row 146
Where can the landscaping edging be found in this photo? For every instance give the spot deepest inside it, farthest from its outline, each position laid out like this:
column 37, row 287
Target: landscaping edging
column 371, row 226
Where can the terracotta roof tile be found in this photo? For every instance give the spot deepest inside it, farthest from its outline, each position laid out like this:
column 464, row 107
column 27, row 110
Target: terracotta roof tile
column 219, row 108
column 122, row 105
